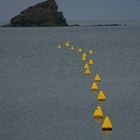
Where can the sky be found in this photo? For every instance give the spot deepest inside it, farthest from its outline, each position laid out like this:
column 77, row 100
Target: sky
column 79, row 10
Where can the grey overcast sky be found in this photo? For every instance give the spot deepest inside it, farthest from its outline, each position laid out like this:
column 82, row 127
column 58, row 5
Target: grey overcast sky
column 79, row 9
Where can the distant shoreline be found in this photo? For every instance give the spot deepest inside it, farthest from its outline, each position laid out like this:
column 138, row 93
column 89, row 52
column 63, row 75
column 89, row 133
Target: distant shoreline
column 95, row 25
column 73, row 25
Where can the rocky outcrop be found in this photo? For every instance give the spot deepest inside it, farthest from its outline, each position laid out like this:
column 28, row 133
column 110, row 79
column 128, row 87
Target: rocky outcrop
column 40, row 15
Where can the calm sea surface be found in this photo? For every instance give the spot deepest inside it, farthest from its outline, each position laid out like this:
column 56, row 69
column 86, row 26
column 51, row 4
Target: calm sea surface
column 44, row 94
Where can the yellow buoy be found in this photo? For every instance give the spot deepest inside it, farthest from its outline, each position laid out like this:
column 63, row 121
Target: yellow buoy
column 72, row 48
column 91, row 62
column 86, row 66
column 98, row 114
column 90, row 52
column 67, row 43
column 98, row 107
column 84, row 58
column 94, row 86
column 87, row 71
column 101, row 96
column 59, row 46
column 97, row 78
column 107, row 125
column 84, row 55
column 80, row 50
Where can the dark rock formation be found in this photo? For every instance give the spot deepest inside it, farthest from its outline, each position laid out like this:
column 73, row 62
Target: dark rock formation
column 40, row 15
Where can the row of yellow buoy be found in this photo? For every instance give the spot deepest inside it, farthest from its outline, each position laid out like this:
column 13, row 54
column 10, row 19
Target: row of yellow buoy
column 98, row 113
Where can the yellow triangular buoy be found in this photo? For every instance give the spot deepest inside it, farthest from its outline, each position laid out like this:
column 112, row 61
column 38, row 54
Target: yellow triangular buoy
column 90, row 52
column 101, row 96
column 80, row 50
column 107, row 125
column 59, row 46
column 98, row 107
column 72, row 48
column 84, row 57
column 86, row 66
column 97, row 78
column 94, row 86
column 98, row 114
column 67, row 43
column 91, row 62
column 87, row 71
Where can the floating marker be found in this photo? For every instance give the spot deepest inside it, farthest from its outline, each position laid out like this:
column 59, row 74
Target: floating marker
column 91, row 62
column 101, row 96
column 80, row 50
column 94, row 86
column 67, row 43
column 90, row 52
column 86, row 66
column 98, row 114
column 59, row 46
column 87, row 71
column 98, row 107
column 72, row 48
column 107, row 125
column 84, row 57
column 97, row 78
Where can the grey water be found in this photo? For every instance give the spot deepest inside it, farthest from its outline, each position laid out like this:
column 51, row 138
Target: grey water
column 45, row 95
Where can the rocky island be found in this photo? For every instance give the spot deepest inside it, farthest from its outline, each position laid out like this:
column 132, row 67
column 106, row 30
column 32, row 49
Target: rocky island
column 44, row 14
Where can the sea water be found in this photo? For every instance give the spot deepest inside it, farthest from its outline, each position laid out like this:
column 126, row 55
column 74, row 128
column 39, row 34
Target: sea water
column 45, row 95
